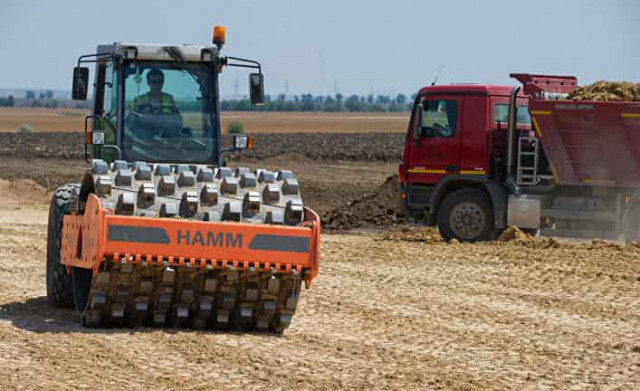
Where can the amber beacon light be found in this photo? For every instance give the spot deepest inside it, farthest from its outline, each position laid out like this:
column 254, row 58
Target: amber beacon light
column 219, row 35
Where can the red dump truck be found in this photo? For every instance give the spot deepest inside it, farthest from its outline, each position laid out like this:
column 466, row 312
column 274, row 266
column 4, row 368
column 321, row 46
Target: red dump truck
column 479, row 158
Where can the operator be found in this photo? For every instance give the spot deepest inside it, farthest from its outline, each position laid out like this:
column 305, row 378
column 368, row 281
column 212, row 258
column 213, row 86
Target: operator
column 155, row 113
column 155, row 101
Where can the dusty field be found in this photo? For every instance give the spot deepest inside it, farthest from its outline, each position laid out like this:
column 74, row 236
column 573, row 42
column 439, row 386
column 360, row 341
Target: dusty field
column 45, row 120
column 319, row 122
column 66, row 120
column 392, row 308
column 388, row 311
column 324, row 186
column 386, row 147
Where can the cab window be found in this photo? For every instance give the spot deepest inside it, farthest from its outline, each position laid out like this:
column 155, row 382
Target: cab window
column 501, row 114
column 439, row 118
column 168, row 112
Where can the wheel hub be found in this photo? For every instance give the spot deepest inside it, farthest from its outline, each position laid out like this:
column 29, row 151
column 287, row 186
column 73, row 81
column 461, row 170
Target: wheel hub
column 467, row 220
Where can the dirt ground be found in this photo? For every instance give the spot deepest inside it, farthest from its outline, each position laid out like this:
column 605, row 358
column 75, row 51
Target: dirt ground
column 68, row 120
column 321, row 147
column 324, row 185
column 391, row 309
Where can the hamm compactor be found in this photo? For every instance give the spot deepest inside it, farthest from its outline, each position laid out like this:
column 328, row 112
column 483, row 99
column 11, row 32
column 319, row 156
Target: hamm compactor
column 160, row 232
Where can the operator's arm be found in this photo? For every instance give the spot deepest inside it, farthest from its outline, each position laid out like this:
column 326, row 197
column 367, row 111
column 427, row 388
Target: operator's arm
column 137, row 103
column 174, row 108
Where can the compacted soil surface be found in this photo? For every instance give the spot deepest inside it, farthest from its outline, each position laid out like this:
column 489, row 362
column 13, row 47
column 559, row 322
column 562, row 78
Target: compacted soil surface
column 391, row 309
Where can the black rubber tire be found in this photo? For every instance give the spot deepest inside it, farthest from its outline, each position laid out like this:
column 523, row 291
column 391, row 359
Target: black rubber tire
column 81, row 279
column 481, row 202
column 59, row 285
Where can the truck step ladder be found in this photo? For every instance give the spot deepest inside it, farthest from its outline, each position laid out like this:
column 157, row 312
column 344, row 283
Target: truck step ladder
column 527, row 168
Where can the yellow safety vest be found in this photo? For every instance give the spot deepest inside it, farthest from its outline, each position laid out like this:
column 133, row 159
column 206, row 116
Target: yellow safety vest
column 167, row 106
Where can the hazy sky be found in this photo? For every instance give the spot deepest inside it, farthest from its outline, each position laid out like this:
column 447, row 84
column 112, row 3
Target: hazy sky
column 357, row 46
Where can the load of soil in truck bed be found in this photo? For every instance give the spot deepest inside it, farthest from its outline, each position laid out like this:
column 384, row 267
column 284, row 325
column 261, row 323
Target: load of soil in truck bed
column 607, row 91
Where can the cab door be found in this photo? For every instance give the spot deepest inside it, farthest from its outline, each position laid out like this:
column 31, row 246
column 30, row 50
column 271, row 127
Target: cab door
column 434, row 149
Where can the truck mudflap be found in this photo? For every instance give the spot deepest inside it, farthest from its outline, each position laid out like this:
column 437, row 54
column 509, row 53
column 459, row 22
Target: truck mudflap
column 178, row 272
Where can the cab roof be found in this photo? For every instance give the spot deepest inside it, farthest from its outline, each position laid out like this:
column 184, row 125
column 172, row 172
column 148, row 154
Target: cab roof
column 468, row 89
column 157, row 52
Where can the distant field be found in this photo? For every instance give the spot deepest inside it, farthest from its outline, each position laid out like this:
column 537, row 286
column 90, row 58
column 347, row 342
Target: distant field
column 49, row 120
column 61, row 120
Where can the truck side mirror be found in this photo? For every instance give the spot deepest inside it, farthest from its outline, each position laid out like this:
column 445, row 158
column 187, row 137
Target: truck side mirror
column 256, row 88
column 80, row 83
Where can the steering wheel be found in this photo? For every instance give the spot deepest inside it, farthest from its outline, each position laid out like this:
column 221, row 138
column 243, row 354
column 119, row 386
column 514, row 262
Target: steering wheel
column 440, row 131
column 149, row 125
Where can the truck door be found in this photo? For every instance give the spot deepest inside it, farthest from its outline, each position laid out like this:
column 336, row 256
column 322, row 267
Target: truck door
column 434, row 150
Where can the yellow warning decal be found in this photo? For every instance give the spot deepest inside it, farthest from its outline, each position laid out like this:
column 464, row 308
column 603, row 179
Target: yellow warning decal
column 425, row 171
column 537, row 127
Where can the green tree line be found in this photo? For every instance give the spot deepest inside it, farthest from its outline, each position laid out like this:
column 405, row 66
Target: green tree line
column 7, row 102
column 33, row 99
column 329, row 103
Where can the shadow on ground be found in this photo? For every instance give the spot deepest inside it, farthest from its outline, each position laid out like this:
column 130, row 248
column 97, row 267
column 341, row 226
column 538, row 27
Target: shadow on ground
column 37, row 315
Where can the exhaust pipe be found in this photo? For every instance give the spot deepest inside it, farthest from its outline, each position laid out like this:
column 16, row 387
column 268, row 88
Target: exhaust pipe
column 510, row 180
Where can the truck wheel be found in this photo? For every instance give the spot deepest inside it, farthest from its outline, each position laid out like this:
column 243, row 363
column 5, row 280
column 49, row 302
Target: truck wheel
column 467, row 215
column 59, row 285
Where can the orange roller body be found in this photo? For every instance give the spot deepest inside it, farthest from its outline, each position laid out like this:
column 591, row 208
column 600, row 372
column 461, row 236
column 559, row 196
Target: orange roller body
column 98, row 236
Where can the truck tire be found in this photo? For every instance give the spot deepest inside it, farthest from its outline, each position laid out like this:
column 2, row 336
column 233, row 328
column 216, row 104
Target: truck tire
column 59, row 284
column 467, row 215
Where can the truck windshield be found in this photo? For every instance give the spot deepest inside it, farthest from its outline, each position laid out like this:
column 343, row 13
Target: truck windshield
column 501, row 114
column 168, row 113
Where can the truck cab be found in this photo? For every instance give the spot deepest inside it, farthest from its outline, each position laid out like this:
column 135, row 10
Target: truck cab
column 456, row 141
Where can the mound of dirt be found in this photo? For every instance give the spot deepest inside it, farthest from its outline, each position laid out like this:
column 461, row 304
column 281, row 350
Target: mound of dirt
column 598, row 243
column 375, row 209
column 607, row 91
column 515, row 234
column 23, row 192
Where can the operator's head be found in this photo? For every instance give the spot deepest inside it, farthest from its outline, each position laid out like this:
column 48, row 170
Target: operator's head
column 155, row 80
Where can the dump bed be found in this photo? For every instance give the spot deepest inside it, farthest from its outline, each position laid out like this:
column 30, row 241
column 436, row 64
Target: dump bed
column 587, row 142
